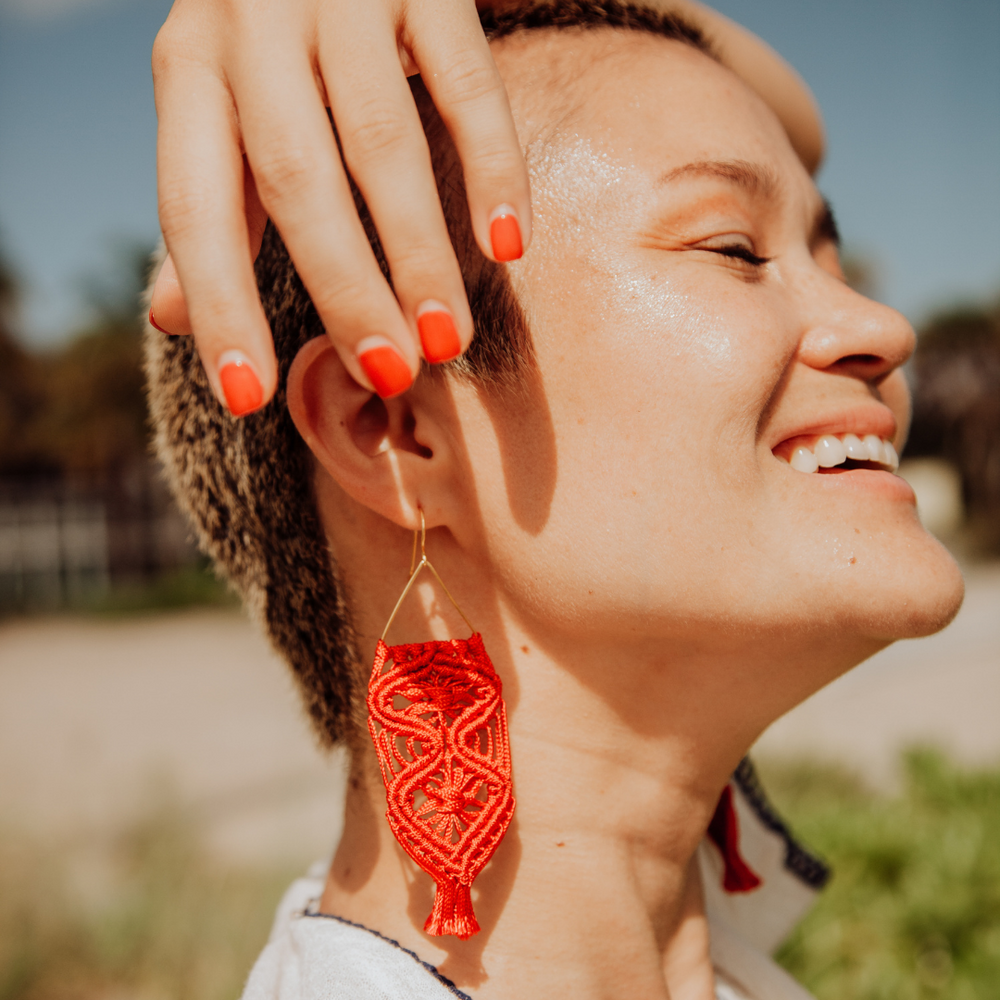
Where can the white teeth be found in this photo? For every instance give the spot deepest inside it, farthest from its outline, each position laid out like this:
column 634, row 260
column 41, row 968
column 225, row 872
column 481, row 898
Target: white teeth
column 856, row 448
column 874, row 445
column 803, row 460
column 830, row 451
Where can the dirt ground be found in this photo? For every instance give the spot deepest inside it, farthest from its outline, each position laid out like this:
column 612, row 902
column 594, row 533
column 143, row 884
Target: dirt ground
column 102, row 719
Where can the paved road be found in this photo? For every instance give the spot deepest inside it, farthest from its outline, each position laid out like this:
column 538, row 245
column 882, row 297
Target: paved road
column 100, row 719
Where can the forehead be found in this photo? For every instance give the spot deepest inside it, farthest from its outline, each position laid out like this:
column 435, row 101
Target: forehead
column 651, row 103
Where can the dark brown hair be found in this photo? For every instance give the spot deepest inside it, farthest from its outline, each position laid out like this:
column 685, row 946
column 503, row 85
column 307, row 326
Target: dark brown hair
column 247, row 484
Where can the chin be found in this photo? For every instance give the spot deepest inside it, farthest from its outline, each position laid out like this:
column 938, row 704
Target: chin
column 913, row 596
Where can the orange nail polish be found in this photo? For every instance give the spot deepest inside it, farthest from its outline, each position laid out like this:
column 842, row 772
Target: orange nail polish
column 155, row 325
column 505, row 235
column 438, row 336
column 241, row 387
column 386, row 370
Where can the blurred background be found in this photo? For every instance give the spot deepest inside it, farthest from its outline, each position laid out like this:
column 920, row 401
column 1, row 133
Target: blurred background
column 158, row 783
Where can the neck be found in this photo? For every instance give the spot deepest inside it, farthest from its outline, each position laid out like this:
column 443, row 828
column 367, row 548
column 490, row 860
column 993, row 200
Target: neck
column 594, row 892
column 619, row 754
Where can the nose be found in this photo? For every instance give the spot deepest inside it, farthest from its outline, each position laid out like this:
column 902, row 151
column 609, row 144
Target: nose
column 847, row 333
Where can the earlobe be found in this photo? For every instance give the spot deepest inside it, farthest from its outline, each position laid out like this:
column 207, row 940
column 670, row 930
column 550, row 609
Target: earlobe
column 372, row 448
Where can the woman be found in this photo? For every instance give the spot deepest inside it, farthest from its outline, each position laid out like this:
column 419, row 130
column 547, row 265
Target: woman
column 661, row 485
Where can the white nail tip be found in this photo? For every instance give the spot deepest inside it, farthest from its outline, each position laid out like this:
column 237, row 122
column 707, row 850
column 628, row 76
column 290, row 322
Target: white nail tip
column 232, row 358
column 829, row 451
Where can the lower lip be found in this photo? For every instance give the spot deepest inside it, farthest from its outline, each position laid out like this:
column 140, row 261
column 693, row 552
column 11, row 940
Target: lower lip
column 867, row 481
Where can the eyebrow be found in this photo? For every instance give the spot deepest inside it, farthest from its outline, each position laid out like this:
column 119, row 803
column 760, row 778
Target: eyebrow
column 758, row 181
column 754, row 178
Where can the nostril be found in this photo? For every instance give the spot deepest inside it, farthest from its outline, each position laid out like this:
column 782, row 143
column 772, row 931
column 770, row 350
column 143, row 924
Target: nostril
column 860, row 359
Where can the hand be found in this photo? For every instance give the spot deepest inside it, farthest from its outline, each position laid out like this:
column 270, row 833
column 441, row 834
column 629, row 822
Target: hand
column 241, row 89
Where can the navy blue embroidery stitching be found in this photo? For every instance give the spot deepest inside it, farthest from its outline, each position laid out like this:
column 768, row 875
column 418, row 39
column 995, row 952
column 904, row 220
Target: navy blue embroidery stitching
column 443, row 980
column 810, row 869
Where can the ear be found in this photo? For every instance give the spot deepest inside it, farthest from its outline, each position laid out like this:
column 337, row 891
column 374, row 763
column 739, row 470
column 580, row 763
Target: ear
column 392, row 455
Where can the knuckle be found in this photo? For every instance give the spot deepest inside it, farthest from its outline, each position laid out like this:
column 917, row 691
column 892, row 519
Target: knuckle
column 285, row 171
column 179, row 40
column 419, row 262
column 167, row 49
column 493, row 162
column 162, row 52
column 216, row 329
column 347, row 300
column 467, row 79
column 376, row 129
column 183, row 209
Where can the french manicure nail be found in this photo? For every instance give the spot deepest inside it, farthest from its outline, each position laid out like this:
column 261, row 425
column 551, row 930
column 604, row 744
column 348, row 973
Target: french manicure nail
column 505, row 234
column 240, row 384
column 437, row 333
column 386, row 370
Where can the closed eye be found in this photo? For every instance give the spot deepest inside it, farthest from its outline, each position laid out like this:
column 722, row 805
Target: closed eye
column 736, row 246
column 739, row 252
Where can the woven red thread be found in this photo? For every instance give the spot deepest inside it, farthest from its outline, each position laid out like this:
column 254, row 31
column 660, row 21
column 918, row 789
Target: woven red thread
column 439, row 725
column 724, row 832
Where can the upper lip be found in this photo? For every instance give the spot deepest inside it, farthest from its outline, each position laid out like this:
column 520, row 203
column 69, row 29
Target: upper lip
column 859, row 419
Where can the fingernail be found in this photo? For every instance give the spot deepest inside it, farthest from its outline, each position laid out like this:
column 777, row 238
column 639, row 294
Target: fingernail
column 437, row 333
column 505, row 234
column 385, row 368
column 153, row 323
column 240, row 384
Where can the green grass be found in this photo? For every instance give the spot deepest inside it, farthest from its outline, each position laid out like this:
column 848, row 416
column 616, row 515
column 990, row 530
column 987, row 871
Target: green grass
column 154, row 918
column 912, row 913
column 195, row 585
column 190, row 586
column 913, row 909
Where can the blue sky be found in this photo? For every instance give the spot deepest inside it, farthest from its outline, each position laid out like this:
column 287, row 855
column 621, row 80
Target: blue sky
column 910, row 90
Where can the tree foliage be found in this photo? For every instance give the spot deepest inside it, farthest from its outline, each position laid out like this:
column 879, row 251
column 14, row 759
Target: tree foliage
column 956, row 415
column 79, row 411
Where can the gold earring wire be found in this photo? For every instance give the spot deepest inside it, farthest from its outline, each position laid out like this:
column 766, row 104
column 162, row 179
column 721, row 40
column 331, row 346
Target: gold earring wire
column 415, row 568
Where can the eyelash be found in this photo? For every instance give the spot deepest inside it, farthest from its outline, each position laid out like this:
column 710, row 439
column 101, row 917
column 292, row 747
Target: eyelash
column 741, row 253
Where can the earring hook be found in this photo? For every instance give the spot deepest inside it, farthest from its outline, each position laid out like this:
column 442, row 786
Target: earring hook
column 415, row 568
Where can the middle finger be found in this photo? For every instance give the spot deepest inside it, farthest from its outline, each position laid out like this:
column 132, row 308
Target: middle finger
column 386, row 151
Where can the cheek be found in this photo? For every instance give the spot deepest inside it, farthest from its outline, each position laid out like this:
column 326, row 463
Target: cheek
column 678, row 362
column 652, row 388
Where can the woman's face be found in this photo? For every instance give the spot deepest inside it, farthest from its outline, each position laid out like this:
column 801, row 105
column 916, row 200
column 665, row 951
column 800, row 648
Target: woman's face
column 692, row 329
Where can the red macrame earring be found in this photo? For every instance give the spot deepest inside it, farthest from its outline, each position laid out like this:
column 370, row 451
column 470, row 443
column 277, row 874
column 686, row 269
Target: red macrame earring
column 439, row 725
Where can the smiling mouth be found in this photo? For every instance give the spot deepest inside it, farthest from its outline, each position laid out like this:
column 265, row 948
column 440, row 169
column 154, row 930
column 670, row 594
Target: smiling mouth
column 840, row 453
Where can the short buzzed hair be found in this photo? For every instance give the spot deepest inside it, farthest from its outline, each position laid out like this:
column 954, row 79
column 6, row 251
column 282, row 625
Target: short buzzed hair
column 247, row 484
